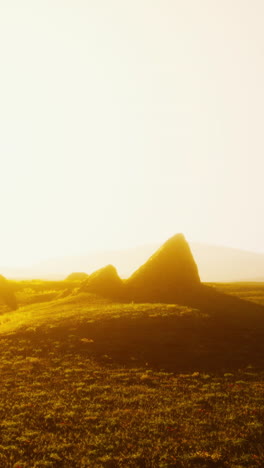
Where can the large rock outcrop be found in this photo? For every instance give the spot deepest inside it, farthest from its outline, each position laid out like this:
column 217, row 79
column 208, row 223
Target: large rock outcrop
column 170, row 274
column 104, row 282
column 7, row 295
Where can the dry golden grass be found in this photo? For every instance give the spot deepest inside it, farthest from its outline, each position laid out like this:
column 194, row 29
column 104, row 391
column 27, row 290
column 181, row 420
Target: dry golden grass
column 90, row 383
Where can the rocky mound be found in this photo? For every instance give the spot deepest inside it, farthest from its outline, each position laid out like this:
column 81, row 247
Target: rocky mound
column 77, row 276
column 104, row 282
column 7, row 295
column 171, row 273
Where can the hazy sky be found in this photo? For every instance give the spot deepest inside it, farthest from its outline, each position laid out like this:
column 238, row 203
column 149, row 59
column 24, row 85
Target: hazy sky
column 124, row 122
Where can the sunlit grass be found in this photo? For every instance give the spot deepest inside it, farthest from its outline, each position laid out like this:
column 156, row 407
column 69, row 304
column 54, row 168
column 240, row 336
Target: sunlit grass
column 250, row 291
column 86, row 382
column 64, row 409
column 81, row 308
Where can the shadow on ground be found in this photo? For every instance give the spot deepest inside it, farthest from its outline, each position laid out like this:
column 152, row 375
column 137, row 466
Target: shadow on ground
column 218, row 332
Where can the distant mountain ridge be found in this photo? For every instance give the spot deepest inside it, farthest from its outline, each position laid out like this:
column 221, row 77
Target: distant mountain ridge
column 215, row 263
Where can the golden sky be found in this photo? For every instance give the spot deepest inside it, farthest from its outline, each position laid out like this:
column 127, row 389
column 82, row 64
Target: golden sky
column 124, row 122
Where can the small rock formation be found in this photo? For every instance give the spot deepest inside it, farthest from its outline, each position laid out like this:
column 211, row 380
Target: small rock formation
column 7, row 295
column 170, row 274
column 77, row 276
column 104, row 282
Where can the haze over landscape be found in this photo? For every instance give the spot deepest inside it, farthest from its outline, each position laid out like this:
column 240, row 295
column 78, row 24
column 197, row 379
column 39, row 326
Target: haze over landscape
column 132, row 234
column 214, row 263
column 123, row 123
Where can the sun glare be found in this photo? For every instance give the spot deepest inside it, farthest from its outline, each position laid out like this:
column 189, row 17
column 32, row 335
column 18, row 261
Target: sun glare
column 121, row 127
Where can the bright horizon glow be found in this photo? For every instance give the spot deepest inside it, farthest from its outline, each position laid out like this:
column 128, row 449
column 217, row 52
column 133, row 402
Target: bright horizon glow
column 123, row 123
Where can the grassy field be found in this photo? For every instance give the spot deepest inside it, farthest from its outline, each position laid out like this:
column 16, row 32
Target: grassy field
column 250, row 291
column 89, row 383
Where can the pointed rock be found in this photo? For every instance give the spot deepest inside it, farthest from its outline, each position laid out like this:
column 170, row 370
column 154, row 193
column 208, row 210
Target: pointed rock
column 104, row 282
column 170, row 272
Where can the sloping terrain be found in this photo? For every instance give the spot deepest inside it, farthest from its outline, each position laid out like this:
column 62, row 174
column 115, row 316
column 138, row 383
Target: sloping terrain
column 252, row 291
column 88, row 382
column 175, row 337
column 7, row 295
